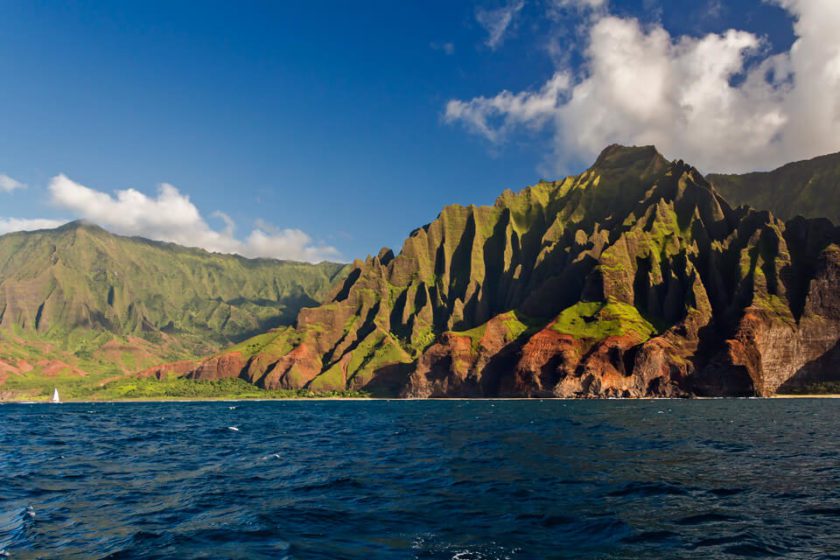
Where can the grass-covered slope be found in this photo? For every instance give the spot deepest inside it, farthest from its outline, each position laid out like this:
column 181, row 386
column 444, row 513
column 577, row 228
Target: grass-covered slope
column 78, row 301
column 805, row 188
column 632, row 278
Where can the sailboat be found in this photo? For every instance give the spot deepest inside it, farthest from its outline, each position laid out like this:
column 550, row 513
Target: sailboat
column 55, row 398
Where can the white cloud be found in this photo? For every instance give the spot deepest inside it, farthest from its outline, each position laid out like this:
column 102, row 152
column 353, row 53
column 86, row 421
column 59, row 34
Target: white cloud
column 7, row 184
column 496, row 116
column 230, row 225
column 171, row 216
column 581, row 4
column 8, row 225
column 640, row 85
column 497, row 22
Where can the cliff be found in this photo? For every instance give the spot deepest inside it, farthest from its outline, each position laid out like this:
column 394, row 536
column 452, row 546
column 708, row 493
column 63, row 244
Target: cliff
column 634, row 278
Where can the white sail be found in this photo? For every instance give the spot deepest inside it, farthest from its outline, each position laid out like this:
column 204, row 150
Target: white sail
column 55, row 398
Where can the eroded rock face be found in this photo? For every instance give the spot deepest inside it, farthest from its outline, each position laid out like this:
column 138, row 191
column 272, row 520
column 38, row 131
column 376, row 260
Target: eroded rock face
column 544, row 360
column 633, row 279
column 467, row 365
column 447, row 368
column 775, row 350
column 229, row 365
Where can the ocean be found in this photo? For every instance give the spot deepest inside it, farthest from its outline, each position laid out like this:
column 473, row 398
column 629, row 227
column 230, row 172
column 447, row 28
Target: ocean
column 463, row 480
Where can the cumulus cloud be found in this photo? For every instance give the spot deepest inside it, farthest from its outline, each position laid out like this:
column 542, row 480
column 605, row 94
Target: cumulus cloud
column 7, row 184
column 494, row 117
column 717, row 101
column 8, row 225
column 497, row 22
column 171, row 216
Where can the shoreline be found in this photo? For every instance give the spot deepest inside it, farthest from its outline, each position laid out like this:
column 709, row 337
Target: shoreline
column 399, row 399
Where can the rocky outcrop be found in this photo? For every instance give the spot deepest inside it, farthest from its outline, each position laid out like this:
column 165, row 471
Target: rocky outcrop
column 775, row 349
column 632, row 279
column 469, row 364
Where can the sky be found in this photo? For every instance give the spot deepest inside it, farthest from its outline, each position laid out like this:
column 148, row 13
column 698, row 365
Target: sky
column 313, row 130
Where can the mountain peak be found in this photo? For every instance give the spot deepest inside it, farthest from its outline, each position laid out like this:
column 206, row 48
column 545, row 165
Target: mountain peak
column 81, row 224
column 616, row 155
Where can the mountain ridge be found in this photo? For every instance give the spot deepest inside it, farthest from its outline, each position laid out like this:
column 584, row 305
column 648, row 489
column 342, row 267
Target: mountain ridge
column 81, row 299
column 808, row 188
column 633, row 278
column 83, row 224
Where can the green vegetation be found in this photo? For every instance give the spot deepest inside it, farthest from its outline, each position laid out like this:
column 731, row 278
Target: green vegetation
column 647, row 238
column 329, row 380
column 599, row 320
column 377, row 350
column 224, row 388
column 276, row 342
column 820, row 388
column 36, row 385
column 807, row 188
column 515, row 323
column 475, row 335
column 102, row 354
column 82, row 277
column 73, row 387
column 106, row 304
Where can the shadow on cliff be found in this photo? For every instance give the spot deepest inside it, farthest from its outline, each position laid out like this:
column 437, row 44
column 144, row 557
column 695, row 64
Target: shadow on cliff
column 388, row 381
column 809, row 378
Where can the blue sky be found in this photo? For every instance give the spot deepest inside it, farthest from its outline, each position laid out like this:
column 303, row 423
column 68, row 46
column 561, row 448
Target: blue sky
column 330, row 129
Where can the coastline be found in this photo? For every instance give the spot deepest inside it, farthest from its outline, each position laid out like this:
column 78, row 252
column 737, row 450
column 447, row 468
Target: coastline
column 807, row 396
column 398, row 399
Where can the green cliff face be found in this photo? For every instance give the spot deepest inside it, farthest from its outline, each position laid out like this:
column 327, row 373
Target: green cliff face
column 632, row 278
column 805, row 188
column 78, row 300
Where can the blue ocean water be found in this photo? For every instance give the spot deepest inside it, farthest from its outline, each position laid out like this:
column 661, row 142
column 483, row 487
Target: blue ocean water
column 462, row 480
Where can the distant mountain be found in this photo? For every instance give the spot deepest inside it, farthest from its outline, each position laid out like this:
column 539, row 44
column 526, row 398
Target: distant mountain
column 81, row 300
column 805, row 188
column 633, row 278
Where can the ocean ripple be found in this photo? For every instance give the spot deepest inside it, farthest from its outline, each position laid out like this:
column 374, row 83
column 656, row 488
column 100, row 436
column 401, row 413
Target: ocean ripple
column 463, row 480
